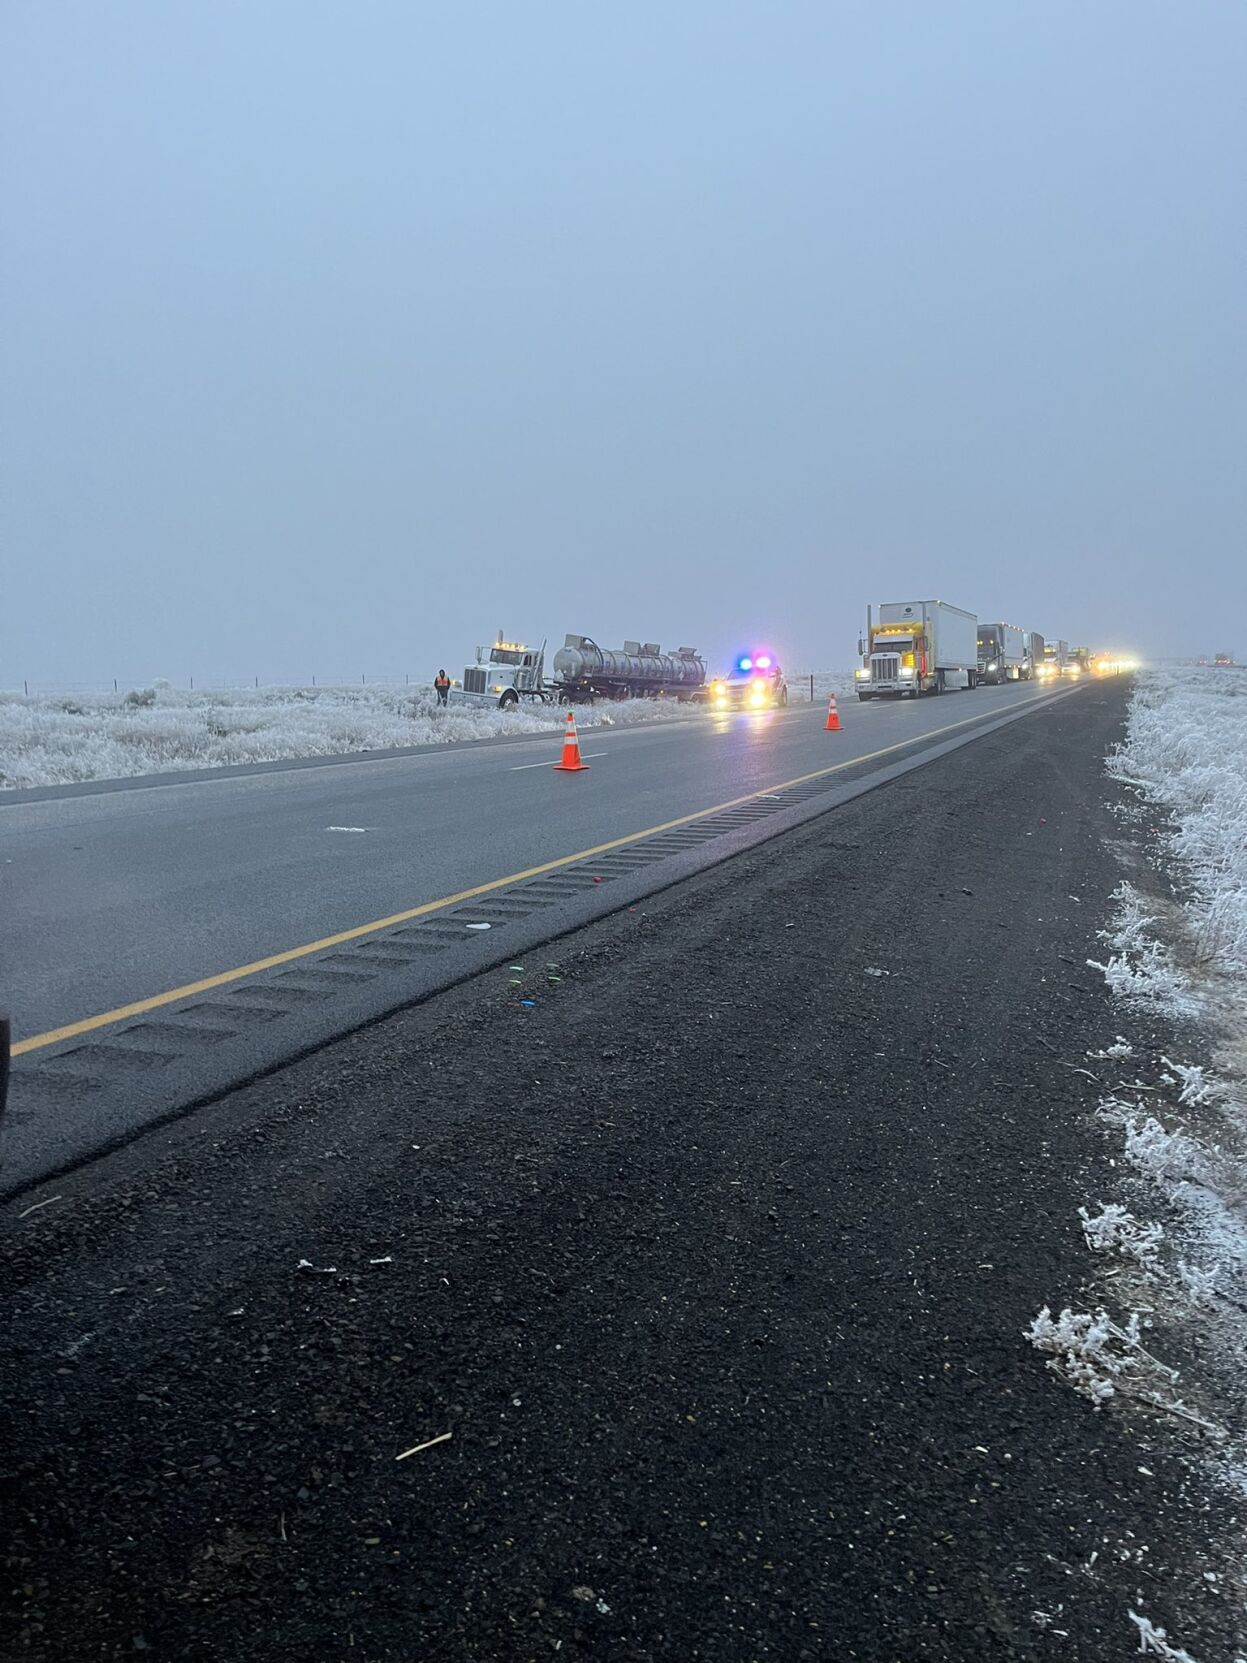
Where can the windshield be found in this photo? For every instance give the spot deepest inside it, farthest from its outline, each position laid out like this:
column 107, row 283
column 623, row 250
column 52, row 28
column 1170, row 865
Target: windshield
column 989, row 643
column 504, row 655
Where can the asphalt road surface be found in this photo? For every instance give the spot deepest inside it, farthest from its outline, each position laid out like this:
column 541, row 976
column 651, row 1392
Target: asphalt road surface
column 169, row 942
column 666, row 1306
column 116, row 895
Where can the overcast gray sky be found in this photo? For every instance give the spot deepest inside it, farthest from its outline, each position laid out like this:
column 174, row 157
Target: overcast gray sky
column 338, row 334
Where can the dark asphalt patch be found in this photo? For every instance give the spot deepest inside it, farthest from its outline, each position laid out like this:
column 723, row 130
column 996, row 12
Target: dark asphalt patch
column 714, row 1263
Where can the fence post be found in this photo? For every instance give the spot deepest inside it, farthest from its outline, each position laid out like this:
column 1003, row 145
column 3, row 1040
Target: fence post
column 313, row 681
column 114, row 684
column 25, row 687
column 257, row 681
column 811, row 689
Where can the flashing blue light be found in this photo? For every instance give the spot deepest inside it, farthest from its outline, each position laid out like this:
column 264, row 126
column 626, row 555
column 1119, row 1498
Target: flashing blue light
column 744, row 663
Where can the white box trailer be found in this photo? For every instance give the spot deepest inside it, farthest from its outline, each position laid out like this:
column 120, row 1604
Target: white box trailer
column 917, row 647
column 1034, row 655
column 1002, row 653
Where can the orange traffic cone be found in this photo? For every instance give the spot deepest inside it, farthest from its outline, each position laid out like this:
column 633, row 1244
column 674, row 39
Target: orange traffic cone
column 833, row 716
column 571, row 763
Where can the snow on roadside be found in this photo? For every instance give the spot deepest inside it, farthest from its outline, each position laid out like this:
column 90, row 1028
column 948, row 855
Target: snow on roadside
column 59, row 739
column 1177, row 955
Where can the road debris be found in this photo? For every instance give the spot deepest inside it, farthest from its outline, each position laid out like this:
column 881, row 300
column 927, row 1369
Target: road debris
column 415, row 1449
column 36, row 1206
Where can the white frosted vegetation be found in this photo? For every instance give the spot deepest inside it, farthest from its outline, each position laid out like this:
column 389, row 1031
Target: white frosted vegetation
column 61, row 739
column 1186, row 754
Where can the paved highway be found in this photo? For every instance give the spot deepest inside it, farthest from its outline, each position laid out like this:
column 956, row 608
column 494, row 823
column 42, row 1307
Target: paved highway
column 167, row 942
column 119, row 895
column 679, row 1316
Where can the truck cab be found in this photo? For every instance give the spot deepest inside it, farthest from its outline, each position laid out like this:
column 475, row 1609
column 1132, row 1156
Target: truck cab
column 896, row 662
column 510, row 673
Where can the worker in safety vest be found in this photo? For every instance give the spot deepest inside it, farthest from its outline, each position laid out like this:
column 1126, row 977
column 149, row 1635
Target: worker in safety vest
column 441, row 684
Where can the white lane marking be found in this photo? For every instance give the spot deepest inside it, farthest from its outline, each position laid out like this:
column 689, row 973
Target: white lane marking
column 584, row 756
column 347, row 828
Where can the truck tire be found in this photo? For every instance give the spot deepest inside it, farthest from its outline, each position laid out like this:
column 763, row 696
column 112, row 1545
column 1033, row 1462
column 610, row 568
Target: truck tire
column 509, row 700
column 864, row 696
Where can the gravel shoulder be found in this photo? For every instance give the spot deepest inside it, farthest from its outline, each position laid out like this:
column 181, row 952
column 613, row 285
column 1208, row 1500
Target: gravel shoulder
column 714, row 1263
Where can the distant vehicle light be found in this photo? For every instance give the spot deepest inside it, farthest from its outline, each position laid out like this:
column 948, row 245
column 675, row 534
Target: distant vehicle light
column 758, row 693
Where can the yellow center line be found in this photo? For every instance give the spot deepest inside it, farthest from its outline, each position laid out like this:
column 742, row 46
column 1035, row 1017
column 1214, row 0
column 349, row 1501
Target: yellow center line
column 156, row 1001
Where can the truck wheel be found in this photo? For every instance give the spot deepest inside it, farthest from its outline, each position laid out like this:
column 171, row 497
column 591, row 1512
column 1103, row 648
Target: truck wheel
column 509, row 700
column 864, row 696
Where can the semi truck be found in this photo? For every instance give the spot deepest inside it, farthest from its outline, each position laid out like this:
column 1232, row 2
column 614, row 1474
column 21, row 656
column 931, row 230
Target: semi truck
column 917, row 647
column 1002, row 653
column 1034, row 654
column 509, row 671
column 1055, row 658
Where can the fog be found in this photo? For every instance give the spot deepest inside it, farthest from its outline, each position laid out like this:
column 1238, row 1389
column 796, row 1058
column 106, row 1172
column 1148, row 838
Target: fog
column 338, row 336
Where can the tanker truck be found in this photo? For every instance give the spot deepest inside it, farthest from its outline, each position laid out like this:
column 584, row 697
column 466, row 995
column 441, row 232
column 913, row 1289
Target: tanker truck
column 917, row 647
column 583, row 671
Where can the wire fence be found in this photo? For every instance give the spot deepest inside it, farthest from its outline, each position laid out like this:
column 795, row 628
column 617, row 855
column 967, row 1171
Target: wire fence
column 212, row 684
column 801, row 687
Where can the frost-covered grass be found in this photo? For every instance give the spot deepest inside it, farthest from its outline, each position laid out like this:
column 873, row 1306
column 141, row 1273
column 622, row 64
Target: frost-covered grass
column 59, row 739
column 1173, row 1241
column 55, row 740
column 1186, row 754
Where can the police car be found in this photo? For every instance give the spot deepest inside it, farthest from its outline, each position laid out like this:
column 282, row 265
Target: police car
column 756, row 682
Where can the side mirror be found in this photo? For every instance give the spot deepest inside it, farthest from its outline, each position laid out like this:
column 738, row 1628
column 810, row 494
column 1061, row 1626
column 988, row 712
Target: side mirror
column 861, row 647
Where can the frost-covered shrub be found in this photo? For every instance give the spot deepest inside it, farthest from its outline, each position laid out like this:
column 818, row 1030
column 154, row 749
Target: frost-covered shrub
column 1186, row 753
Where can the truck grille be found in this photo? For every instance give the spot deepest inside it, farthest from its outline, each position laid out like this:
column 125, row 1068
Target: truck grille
column 474, row 681
column 885, row 669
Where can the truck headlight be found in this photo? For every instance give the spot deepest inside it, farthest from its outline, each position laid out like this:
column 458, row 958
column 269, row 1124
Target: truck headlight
column 862, row 675
column 907, row 670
